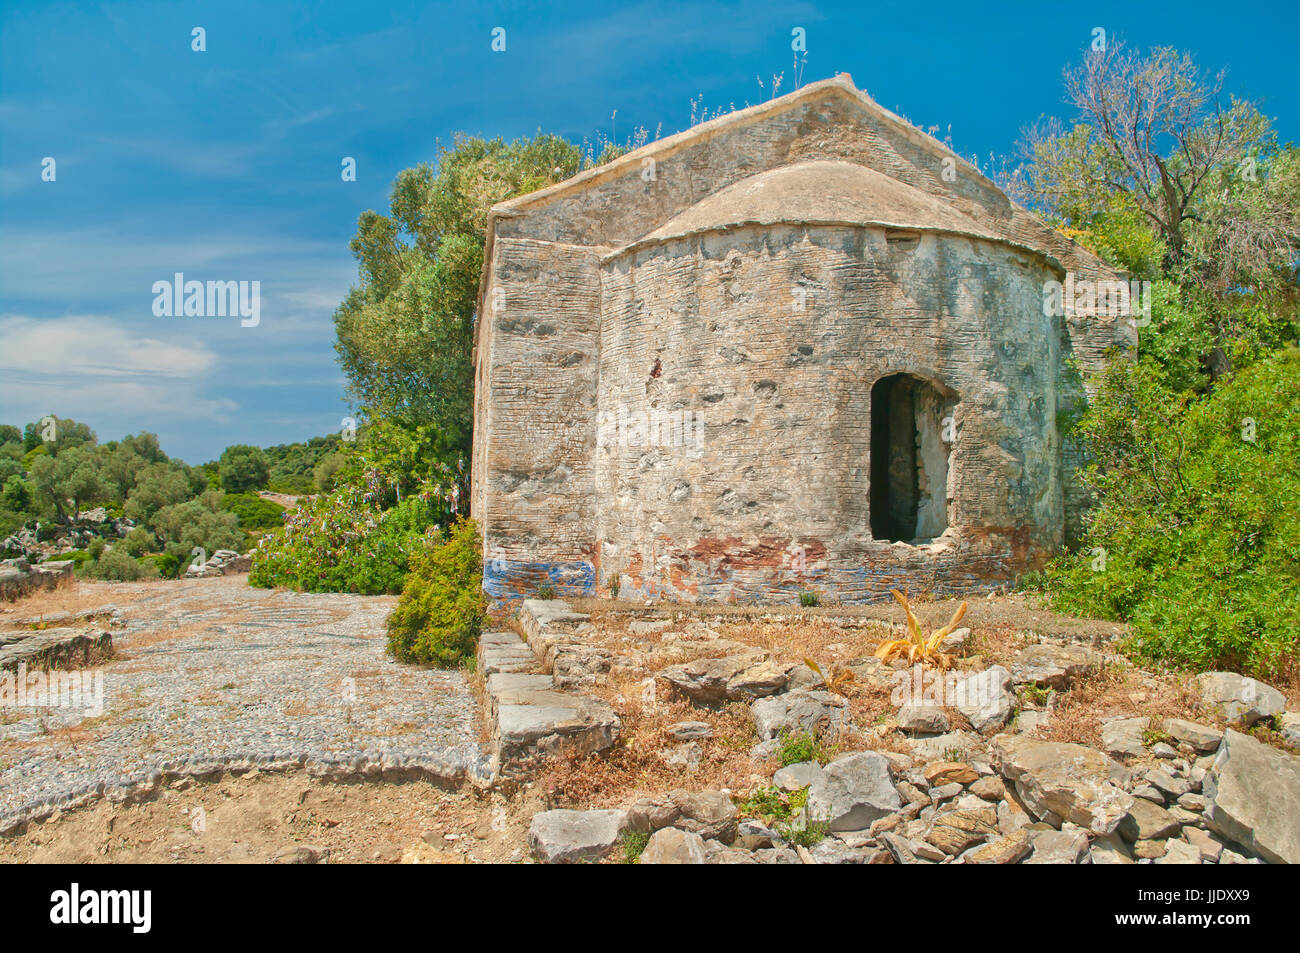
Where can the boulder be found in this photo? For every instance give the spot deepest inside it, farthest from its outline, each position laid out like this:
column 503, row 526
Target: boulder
column 1238, row 699
column 712, row 681
column 1070, row 781
column 985, row 699
column 955, row 744
column 852, row 792
column 1052, row 666
column 1179, row 852
column 671, row 846
column 711, row 814
column 799, row 712
column 565, row 836
column 1251, row 794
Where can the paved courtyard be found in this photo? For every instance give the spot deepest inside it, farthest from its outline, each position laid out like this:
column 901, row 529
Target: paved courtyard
column 210, row 672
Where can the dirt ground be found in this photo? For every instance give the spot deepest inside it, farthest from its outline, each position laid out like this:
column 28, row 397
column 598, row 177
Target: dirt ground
column 285, row 818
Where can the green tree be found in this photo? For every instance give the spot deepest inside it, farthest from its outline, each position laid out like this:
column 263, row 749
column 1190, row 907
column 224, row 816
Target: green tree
column 242, row 468
column 157, row 485
column 72, row 477
column 405, row 332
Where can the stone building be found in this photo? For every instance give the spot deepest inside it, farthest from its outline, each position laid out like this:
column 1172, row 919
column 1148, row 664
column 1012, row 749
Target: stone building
column 803, row 346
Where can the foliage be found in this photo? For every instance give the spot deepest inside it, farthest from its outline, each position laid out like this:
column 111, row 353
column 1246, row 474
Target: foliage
column 119, row 566
column 796, row 748
column 242, row 468
column 442, row 609
column 197, row 523
column 253, row 511
column 290, row 466
column 139, row 541
column 1195, row 538
column 631, row 845
column 808, row 598
column 345, row 542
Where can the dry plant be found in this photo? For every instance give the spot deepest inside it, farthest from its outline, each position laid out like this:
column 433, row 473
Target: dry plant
column 916, row 647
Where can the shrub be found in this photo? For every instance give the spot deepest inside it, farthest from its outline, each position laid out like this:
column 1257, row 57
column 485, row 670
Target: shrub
column 343, row 542
column 242, row 468
column 77, row 556
column 1196, row 536
column 168, row 566
column 441, row 613
column 139, row 541
column 545, row 591
column 117, row 565
column 253, row 511
column 808, row 598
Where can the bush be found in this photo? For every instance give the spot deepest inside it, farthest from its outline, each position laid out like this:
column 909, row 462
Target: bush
column 253, row 511
column 139, row 541
column 442, row 609
column 343, row 542
column 1196, row 536
column 77, row 556
column 117, row 565
column 168, row 566
column 242, row 468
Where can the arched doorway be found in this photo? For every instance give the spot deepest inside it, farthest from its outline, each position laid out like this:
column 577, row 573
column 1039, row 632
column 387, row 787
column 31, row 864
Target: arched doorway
column 909, row 459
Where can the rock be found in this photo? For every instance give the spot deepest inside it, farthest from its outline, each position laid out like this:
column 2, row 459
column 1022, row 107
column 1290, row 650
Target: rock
column 671, row 846
column 955, row 744
column 422, row 853
column 1030, row 720
column 648, row 626
column 799, row 676
column 1052, row 666
column 1004, row 850
column 754, row 835
column 779, row 855
column 1012, row 817
column 957, row 641
column 1251, row 794
column 923, row 719
column 990, row 789
column 948, row 772
column 1200, row 737
column 1192, row 802
column 832, row 851
column 690, row 730
column 852, row 792
column 1164, row 751
column 1078, row 784
column 1109, row 849
column 1058, row 847
column 796, row 777
column 1123, row 736
column 955, row 831
column 565, row 836
column 1147, row 821
column 712, row 681
column 1179, row 852
column 717, row 853
column 711, row 814
column 984, row 698
column 821, row 713
column 945, row 792
column 1207, row 845
column 302, row 854
column 650, row 814
column 1290, row 728
column 1167, row 783
column 1239, row 700
column 1149, row 792
column 1149, row 849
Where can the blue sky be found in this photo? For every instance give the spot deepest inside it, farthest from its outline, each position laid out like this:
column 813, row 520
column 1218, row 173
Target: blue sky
column 224, row 164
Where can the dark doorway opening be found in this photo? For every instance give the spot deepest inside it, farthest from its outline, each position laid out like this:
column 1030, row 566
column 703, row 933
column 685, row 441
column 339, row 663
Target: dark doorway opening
column 909, row 460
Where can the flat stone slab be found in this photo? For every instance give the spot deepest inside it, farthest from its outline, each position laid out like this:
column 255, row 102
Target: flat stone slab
column 54, row 648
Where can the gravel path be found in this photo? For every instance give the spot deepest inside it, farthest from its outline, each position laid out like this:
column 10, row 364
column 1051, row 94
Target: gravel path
column 210, row 672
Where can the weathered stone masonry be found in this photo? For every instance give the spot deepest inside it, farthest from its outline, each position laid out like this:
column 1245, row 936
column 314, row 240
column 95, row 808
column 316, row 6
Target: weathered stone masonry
column 776, row 352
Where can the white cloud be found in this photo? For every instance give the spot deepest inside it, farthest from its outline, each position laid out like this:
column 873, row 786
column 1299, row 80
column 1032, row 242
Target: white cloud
column 78, row 347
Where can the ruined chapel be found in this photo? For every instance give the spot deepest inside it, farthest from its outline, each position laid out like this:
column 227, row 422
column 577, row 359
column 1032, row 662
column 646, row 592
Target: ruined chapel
column 802, row 346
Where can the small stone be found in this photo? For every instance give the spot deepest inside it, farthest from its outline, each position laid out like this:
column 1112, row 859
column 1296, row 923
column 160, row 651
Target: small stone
column 1162, row 750
column 566, row 836
column 1209, row 847
column 1192, row 802
column 1147, row 821
column 1058, row 847
column 1166, row 782
column 1123, row 736
column 1180, row 852
column 1149, row 849
column 1004, row 850
column 853, row 792
column 690, row 730
column 938, row 773
column 945, row 792
column 990, row 789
